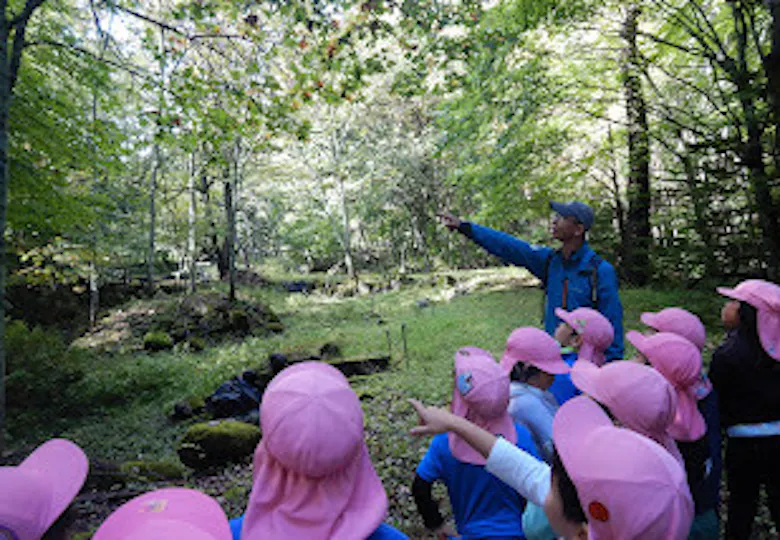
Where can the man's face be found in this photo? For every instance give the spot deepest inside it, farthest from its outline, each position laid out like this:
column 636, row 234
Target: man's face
column 566, row 228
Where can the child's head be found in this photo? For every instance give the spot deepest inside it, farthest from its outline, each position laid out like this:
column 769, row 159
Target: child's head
column 638, row 397
column 35, row 493
column 589, row 332
column 679, row 361
column 533, row 347
column 627, row 486
column 313, row 443
column 167, row 513
column 677, row 321
column 480, row 394
column 763, row 313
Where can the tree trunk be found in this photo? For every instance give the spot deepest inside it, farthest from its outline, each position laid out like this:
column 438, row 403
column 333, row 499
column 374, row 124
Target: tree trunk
column 191, row 246
column 150, row 255
column 772, row 68
column 5, row 105
column 638, row 240
column 230, row 237
column 347, row 240
column 753, row 150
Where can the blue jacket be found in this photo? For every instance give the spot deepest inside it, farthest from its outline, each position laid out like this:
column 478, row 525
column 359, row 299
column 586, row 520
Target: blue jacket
column 578, row 270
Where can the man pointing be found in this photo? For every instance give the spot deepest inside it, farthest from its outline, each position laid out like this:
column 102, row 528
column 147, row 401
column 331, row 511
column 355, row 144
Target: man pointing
column 573, row 276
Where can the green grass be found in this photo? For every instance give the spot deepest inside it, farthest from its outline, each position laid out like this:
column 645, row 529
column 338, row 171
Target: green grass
column 131, row 394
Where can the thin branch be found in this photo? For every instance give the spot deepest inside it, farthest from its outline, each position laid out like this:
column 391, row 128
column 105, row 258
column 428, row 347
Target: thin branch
column 26, row 13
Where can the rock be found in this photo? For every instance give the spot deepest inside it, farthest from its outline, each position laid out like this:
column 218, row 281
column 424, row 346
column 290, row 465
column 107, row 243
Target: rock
column 153, row 470
column 423, row 303
column 216, row 443
column 330, row 350
column 157, row 341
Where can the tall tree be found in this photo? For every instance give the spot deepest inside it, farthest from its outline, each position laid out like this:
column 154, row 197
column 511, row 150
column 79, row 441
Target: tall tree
column 636, row 248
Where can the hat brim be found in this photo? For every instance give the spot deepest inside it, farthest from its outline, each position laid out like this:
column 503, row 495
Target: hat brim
column 585, row 376
column 167, row 513
column 64, row 466
column 638, row 340
column 649, row 319
column 573, row 423
column 561, row 208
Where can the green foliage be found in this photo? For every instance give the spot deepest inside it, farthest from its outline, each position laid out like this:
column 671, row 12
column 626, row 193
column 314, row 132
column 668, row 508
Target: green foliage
column 153, row 470
column 42, row 370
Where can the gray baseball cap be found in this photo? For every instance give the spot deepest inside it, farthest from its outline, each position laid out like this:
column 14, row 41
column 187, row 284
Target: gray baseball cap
column 576, row 209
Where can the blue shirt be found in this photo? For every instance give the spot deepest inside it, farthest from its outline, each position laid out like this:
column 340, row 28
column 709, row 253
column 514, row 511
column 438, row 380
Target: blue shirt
column 562, row 387
column 576, row 270
column 384, row 532
column 483, row 506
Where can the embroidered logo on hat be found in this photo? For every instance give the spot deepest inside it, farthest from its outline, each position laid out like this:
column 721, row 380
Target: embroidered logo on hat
column 155, row 506
column 464, row 383
column 598, row 511
column 581, row 323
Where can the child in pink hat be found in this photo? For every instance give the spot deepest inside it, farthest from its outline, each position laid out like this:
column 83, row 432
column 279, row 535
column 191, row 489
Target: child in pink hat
column 679, row 361
column 533, row 359
column 587, row 331
column 745, row 372
column 678, row 321
column 637, row 396
column 313, row 477
column 606, row 483
column 36, row 492
column 482, row 505
column 166, row 514
column 581, row 334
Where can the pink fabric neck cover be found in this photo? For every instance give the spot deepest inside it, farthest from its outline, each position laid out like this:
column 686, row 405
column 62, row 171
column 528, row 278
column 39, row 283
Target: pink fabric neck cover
column 313, row 477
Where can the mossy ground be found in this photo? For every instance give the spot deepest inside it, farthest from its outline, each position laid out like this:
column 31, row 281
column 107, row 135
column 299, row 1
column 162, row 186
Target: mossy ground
column 131, row 393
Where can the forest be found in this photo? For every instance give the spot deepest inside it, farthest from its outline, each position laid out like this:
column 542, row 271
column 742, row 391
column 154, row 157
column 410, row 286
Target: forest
column 215, row 147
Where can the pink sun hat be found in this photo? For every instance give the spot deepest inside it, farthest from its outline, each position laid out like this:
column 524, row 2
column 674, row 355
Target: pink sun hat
column 678, row 321
column 638, row 396
column 313, row 477
column 628, row 485
column 480, row 395
column 36, row 492
column 765, row 297
column 165, row 514
column 533, row 346
column 679, row 361
column 594, row 328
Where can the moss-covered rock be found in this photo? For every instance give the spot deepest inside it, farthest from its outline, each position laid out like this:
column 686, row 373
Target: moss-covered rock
column 153, row 470
column 157, row 341
column 216, row 443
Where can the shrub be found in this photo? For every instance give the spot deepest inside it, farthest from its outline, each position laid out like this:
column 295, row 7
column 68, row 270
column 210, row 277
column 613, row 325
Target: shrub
column 41, row 368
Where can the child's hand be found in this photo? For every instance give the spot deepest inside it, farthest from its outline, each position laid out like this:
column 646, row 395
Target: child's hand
column 449, row 220
column 433, row 420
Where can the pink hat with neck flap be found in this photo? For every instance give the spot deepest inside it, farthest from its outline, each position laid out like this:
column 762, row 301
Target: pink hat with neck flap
column 480, row 395
column 35, row 493
column 679, row 361
column 638, row 397
column 678, row 321
column 765, row 297
column 628, row 485
column 534, row 347
column 313, row 477
column 595, row 330
column 166, row 514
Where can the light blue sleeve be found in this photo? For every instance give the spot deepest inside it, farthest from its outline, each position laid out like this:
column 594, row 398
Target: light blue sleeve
column 527, row 410
column 511, row 249
column 611, row 307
